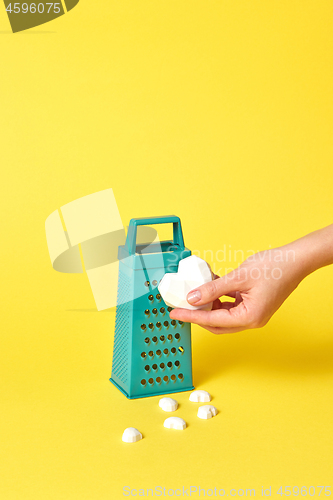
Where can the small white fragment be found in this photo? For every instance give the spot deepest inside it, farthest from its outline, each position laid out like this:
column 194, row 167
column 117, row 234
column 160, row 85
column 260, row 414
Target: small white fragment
column 168, row 404
column 207, row 411
column 175, row 423
column 131, row 435
column 200, row 397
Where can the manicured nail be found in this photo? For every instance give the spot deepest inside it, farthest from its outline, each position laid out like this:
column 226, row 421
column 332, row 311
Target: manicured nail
column 194, row 297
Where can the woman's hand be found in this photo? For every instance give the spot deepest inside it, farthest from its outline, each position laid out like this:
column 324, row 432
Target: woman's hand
column 259, row 285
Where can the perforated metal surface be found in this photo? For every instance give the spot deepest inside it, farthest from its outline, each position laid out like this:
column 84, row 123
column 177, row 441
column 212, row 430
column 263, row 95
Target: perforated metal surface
column 151, row 353
column 162, row 348
column 121, row 345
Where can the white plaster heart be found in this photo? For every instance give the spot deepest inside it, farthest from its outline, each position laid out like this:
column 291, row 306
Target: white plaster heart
column 174, row 287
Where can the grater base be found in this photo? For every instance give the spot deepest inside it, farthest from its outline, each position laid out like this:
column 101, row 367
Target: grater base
column 151, row 394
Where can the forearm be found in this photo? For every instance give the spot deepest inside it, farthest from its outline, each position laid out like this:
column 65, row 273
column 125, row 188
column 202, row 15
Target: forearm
column 313, row 251
column 260, row 285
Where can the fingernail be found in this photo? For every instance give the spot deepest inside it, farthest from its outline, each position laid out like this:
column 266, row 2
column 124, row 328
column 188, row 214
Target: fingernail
column 194, row 297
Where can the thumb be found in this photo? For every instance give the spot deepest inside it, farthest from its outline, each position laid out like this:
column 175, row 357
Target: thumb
column 230, row 283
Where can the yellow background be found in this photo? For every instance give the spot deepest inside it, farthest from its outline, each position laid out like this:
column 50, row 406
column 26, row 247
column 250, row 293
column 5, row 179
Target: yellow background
column 220, row 112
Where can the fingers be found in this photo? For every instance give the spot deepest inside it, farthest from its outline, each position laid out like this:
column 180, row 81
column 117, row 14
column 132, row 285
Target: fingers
column 238, row 298
column 227, row 285
column 217, row 304
column 224, row 316
column 222, row 331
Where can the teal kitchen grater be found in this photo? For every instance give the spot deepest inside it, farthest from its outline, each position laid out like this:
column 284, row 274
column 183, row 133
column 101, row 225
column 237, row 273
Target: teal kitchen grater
column 151, row 353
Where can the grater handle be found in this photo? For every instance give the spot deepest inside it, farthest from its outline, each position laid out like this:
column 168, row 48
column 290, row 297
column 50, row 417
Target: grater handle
column 148, row 221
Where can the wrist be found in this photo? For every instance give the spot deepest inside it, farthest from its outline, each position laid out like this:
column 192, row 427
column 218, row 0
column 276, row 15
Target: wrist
column 313, row 251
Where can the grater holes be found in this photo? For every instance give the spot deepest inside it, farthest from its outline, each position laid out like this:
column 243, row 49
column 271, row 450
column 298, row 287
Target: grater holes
column 181, row 376
column 154, row 339
column 143, row 382
column 147, row 312
column 166, row 378
column 151, row 354
column 158, row 352
column 158, row 380
column 158, row 296
column 173, row 350
column 162, row 310
column 169, row 309
column 181, row 349
column 154, row 282
column 154, row 311
column 177, row 364
column 180, row 322
column 151, row 326
column 166, row 352
column 170, row 337
column 177, row 336
column 166, row 323
column 169, row 364
column 143, row 355
column 147, row 283
column 173, row 378
column 154, row 367
column 143, row 326
column 162, row 366
column 151, row 297
column 173, row 322
column 162, row 338
column 122, row 329
column 151, row 381
column 158, row 324
column 147, row 340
